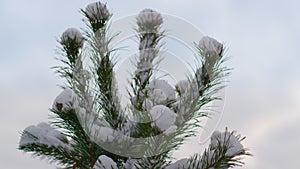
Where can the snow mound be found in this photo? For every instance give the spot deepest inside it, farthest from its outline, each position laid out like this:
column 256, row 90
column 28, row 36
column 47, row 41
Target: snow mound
column 163, row 117
column 43, row 134
column 208, row 44
column 158, row 96
column 148, row 20
column 105, row 162
column 97, row 11
column 63, row 100
column 161, row 91
column 72, row 34
column 227, row 139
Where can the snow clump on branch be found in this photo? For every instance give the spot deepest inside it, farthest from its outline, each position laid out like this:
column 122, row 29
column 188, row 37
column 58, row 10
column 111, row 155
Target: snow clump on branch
column 43, row 134
column 72, row 35
column 210, row 45
column 227, row 140
column 163, row 117
column 105, row 162
column 97, row 11
column 64, row 100
column 149, row 20
column 160, row 91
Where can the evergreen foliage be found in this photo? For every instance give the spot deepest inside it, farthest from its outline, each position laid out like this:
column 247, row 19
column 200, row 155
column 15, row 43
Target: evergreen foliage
column 89, row 111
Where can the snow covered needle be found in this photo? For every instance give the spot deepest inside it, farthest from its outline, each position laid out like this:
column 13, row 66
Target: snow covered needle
column 43, row 134
column 149, row 20
column 229, row 141
column 149, row 23
column 225, row 151
column 72, row 41
column 72, row 34
column 98, row 15
column 63, row 100
column 105, row 162
column 211, row 50
column 208, row 44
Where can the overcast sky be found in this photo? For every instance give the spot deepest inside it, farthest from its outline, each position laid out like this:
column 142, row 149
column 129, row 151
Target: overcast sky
column 262, row 98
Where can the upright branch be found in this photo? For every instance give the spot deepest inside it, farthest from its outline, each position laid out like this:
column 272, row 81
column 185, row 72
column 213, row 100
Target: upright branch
column 151, row 96
column 107, row 97
column 199, row 89
column 149, row 33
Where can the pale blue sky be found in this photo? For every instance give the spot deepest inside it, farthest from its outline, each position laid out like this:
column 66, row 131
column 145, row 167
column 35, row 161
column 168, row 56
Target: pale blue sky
column 262, row 99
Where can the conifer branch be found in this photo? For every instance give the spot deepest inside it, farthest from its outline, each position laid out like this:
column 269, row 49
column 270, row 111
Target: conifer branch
column 88, row 111
column 103, row 69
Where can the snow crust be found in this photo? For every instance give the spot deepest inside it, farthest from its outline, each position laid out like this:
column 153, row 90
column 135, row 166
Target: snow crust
column 161, row 91
column 208, row 44
column 163, row 117
column 63, row 100
column 43, row 134
column 105, row 162
column 148, row 20
column 97, row 11
column 228, row 140
column 73, row 34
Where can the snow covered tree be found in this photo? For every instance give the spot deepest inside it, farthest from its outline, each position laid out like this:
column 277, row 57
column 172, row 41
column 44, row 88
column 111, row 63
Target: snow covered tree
column 88, row 121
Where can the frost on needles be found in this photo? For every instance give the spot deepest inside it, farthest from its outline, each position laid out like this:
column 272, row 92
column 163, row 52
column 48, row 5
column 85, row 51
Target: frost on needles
column 87, row 116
